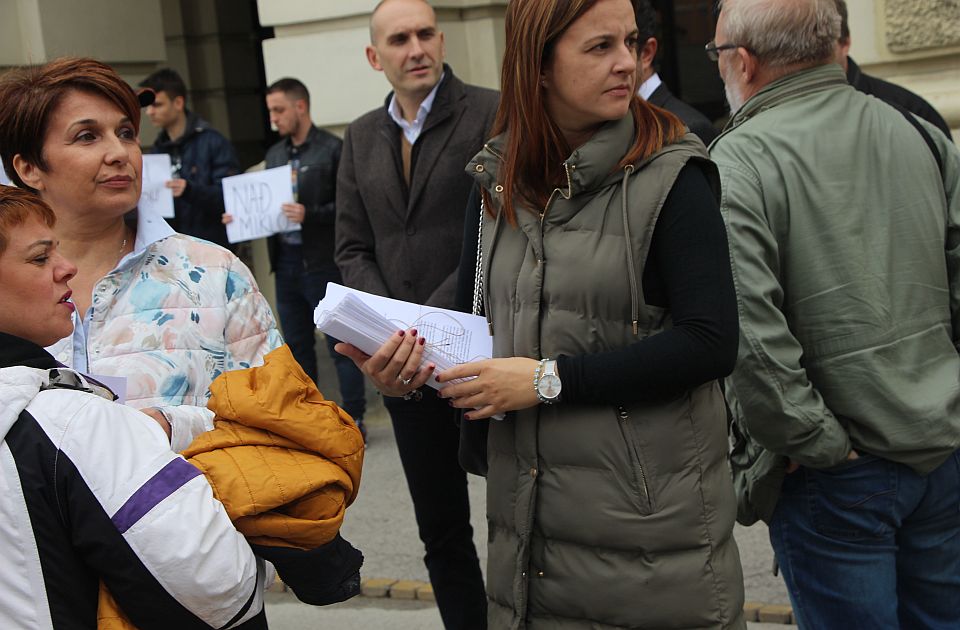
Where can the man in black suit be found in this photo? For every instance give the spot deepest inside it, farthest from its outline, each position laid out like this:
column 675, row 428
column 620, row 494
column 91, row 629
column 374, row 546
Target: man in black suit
column 652, row 89
column 401, row 195
column 884, row 90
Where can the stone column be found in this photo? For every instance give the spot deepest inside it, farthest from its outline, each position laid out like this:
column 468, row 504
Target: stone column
column 128, row 35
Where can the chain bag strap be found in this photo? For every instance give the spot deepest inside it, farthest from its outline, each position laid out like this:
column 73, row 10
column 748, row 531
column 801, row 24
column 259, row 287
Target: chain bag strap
column 478, row 272
column 472, row 451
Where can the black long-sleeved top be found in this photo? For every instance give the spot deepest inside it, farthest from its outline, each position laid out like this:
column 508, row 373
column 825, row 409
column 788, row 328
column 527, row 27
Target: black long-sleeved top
column 688, row 272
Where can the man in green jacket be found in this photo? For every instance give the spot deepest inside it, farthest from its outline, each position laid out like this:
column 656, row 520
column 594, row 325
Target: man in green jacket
column 843, row 216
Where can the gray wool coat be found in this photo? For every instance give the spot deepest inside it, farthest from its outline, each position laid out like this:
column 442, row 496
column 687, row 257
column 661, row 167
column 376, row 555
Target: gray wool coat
column 401, row 243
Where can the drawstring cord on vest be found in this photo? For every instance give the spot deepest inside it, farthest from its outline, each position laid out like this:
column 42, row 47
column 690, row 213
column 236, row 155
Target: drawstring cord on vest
column 631, row 268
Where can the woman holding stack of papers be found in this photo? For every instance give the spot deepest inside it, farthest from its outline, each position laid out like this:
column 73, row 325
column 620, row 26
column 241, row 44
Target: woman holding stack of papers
column 606, row 282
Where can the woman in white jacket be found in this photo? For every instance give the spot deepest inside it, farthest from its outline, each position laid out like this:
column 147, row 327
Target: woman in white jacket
column 89, row 489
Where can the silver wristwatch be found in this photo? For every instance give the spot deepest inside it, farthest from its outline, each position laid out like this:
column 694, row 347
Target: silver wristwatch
column 546, row 382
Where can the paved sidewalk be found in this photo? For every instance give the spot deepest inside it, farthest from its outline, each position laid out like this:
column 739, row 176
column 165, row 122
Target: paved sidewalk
column 374, row 613
column 381, row 524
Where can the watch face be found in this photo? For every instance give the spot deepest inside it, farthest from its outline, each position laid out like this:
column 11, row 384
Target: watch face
column 549, row 386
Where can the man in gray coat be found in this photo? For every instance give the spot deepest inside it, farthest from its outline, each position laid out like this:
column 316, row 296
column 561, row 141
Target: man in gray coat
column 843, row 217
column 401, row 198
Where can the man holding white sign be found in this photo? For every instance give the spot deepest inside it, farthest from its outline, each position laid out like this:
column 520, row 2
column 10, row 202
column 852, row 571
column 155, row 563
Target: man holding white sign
column 200, row 158
column 254, row 203
column 303, row 260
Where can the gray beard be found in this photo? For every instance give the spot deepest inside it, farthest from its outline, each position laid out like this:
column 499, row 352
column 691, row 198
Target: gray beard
column 733, row 99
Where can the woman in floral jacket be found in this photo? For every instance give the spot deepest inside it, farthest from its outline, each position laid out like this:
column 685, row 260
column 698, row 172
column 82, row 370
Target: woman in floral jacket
column 165, row 311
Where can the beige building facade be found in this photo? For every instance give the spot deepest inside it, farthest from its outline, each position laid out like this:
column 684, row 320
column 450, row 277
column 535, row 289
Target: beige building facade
column 915, row 43
column 229, row 50
column 216, row 45
column 322, row 44
column 211, row 43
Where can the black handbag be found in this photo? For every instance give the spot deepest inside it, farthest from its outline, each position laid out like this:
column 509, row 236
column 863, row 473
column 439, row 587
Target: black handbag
column 472, row 451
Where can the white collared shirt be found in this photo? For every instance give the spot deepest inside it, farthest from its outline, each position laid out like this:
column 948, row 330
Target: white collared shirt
column 648, row 87
column 412, row 129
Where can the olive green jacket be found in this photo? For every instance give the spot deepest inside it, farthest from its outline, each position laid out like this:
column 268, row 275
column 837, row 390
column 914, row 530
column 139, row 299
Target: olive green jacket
column 600, row 516
column 844, row 245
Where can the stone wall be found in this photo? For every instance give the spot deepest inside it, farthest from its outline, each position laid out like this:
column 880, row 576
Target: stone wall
column 922, row 24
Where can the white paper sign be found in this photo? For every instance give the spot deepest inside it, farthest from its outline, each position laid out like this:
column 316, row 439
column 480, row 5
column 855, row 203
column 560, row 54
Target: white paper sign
column 254, row 200
column 155, row 196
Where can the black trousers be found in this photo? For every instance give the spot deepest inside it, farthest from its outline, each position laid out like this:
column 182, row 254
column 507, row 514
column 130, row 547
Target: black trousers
column 427, row 438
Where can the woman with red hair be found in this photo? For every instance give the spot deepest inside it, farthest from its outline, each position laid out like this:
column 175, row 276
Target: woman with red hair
column 91, row 489
column 604, row 275
column 165, row 311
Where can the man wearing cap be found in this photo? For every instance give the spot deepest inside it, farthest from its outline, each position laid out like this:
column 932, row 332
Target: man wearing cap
column 201, row 157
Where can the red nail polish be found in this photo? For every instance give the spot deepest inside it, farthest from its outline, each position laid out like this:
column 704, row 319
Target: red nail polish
column 413, row 332
column 423, row 340
column 466, row 416
column 400, row 333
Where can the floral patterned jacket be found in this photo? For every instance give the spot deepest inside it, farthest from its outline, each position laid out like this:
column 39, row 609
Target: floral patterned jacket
column 170, row 318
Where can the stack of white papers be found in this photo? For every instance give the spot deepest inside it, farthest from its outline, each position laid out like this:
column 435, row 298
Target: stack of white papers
column 367, row 321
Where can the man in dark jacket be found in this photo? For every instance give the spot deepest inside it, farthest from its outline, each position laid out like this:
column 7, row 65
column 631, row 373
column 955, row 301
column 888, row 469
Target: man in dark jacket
column 652, row 89
column 401, row 195
column 200, row 155
column 303, row 260
column 884, row 90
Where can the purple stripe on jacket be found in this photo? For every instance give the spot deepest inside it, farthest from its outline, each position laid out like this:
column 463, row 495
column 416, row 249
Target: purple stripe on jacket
column 167, row 480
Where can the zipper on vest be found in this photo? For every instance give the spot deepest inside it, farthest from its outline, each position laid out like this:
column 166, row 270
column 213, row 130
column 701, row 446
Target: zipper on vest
column 624, row 418
column 631, row 269
column 568, row 195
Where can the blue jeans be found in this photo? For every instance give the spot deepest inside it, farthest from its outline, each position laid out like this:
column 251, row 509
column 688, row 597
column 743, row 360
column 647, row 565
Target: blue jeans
column 298, row 293
column 871, row 544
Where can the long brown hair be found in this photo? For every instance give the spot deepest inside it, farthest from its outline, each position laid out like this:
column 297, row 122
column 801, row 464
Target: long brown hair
column 535, row 148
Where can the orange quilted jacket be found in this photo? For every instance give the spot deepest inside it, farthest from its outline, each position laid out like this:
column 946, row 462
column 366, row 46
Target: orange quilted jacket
column 284, row 461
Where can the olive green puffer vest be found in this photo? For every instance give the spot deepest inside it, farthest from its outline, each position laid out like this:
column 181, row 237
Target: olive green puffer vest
column 616, row 516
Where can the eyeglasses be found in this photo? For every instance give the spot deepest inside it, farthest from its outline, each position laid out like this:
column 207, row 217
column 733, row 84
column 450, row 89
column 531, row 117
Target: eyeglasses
column 713, row 51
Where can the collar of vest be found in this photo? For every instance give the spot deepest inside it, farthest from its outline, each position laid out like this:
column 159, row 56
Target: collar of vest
column 589, row 167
